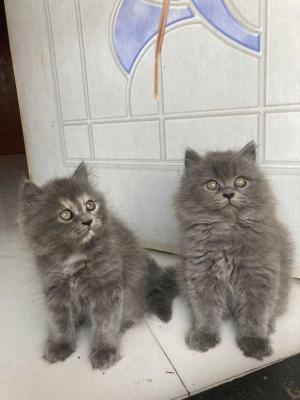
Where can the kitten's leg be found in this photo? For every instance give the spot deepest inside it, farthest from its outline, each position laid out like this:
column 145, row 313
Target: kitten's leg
column 271, row 325
column 61, row 339
column 255, row 300
column 106, row 314
column 206, row 297
column 126, row 325
column 205, row 332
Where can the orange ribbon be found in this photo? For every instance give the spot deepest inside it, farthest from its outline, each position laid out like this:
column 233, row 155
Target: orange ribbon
column 159, row 42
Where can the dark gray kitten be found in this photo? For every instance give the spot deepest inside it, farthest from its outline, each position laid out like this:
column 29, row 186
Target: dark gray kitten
column 91, row 266
column 236, row 255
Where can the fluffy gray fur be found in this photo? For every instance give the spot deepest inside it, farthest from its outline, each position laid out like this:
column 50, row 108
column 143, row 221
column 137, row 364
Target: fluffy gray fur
column 236, row 255
column 92, row 268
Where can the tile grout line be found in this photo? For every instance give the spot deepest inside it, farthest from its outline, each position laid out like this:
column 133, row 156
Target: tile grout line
column 201, row 114
column 166, row 355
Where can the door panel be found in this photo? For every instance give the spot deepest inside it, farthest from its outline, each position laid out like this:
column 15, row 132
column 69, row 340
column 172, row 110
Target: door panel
column 229, row 74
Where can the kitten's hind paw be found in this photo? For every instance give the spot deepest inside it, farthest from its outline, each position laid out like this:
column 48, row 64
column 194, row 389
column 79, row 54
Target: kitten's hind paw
column 104, row 358
column 255, row 347
column 57, row 351
column 201, row 341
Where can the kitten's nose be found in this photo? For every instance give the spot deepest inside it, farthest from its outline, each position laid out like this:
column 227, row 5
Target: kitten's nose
column 228, row 194
column 86, row 221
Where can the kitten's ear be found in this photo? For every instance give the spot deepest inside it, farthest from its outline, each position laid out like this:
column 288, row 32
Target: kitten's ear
column 31, row 193
column 81, row 172
column 249, row 151
column 191, row 158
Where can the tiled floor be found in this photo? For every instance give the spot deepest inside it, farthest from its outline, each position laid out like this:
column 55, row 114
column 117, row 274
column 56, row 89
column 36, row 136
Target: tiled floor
column 156, row 364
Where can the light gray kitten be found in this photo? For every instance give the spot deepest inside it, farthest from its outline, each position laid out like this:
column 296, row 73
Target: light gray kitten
column 236, row 255
column 91, row 267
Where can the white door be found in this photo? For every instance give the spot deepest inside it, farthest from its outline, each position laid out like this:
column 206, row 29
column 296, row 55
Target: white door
column 230, row 73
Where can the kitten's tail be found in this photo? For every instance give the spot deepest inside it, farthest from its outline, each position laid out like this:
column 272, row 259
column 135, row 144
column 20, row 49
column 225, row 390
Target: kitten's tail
column 161, row 290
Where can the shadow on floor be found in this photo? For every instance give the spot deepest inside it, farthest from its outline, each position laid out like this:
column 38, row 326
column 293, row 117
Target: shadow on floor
column 277, row 382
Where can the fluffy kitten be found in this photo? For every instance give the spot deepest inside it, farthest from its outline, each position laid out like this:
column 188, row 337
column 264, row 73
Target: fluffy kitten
column 91, row 267
column 236, row 255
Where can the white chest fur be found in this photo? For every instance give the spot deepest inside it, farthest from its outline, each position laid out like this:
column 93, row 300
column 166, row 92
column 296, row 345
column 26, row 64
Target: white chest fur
column 74, row 263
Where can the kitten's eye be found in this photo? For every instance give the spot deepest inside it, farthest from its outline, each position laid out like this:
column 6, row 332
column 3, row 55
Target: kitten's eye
column 66, row 215
column 90, row 205
column 240, row 182
column 212, row 185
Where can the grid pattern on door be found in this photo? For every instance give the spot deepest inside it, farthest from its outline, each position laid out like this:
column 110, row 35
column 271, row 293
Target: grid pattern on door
column 214, row 91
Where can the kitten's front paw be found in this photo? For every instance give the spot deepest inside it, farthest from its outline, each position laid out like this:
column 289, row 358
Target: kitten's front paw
column 104, row 358
column 201, row 341
column 57, row 351
column 255, row 347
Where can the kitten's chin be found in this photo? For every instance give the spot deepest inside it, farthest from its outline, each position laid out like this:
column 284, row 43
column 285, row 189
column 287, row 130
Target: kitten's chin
column 229, row 210
column 225, row 207
column 87, row 236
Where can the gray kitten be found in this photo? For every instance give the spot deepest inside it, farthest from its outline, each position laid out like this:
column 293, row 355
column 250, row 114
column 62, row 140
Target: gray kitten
column 236, row 255
column 91, row 266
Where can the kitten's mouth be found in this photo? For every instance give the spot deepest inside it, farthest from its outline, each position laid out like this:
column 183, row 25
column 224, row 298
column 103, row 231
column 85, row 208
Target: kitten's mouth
column 229, row 203
column 86, row 233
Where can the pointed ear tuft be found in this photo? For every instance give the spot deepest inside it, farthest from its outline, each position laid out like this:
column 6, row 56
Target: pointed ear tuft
column 81, row 172
column 249, row 151
column 31, row 192
column 191, row 158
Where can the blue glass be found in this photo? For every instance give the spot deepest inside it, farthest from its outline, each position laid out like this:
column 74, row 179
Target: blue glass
column 216, row 13
column 136, row 24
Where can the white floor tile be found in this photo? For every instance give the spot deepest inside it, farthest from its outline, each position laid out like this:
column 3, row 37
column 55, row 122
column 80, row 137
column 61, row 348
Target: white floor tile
column 199, row 371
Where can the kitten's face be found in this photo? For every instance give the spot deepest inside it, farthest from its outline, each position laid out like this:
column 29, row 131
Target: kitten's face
column 65, row 211
column 77, row 211
column 225, row 182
